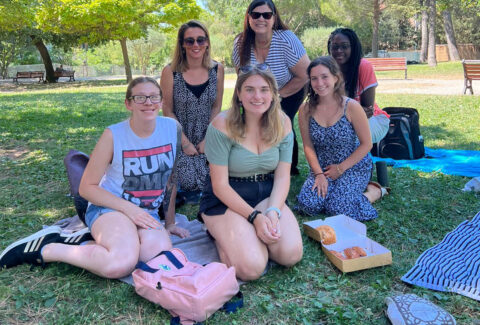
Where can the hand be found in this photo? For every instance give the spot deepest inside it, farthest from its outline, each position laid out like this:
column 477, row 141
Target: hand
column 178, row 231
column 333, row 171
column 368, row 110
column 275, row 221
column 189, row 149
column 321, row 184
column 141, row 218
column 201, row 146
column 263, row 227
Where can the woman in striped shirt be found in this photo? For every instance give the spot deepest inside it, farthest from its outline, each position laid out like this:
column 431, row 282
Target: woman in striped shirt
column 266, row 39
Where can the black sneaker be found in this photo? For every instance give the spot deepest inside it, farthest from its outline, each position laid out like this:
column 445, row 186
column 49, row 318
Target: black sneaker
column 27, row 250
column 76, row 238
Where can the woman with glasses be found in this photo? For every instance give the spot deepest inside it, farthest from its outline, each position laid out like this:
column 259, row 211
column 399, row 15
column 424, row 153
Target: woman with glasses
column 336, row 142
column 249, row 149
column 192, row 85
column 129, row 175
column 266, row 39
column 360, row 84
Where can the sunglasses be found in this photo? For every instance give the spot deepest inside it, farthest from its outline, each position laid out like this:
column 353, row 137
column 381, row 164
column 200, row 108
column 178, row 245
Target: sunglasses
column 248, row 68
column 265, row 15
column 140, row 99
column 190, row 41
column 342, row 47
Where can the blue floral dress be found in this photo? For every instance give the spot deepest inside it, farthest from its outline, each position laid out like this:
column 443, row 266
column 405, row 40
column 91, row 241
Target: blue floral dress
column 333, row 145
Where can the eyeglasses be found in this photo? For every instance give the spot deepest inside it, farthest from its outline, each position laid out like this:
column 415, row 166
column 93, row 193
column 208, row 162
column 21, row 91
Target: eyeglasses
column 140, row 99
column 265, row 15
column 190, row 41
column 343, row 47
column 248, row 68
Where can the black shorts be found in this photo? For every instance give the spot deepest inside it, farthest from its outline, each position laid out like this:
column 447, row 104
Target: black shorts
column 252, row 192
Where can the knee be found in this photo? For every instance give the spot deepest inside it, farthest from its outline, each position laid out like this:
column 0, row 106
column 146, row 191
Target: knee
column 250, row 271
column 289, row 256
column 153, row 242
column 119, row 266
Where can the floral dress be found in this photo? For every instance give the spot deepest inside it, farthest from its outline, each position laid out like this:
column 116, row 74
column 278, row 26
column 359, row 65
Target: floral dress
column 333, row 145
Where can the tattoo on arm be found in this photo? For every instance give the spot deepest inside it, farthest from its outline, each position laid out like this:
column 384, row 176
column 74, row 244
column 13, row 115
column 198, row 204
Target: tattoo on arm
column 172, row 180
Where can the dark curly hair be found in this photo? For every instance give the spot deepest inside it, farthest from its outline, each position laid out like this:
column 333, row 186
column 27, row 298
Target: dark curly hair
column 350, row 74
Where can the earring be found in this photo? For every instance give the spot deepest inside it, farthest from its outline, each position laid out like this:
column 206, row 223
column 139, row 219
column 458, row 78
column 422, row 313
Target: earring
column 241, row 109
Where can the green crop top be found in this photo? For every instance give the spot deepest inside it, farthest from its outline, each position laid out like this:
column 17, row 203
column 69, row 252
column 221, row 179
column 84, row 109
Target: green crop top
column 241, row 162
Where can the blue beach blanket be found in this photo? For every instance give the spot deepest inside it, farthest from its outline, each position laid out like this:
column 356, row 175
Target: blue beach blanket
column 450, row 162
column 453, row 265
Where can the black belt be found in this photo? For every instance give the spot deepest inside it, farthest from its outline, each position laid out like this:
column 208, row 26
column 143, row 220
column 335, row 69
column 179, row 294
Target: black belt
column 253, row 178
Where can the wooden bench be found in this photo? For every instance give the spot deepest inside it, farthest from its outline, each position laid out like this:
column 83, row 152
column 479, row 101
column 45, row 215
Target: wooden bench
column 471, row 71
column 388, row 64
column 65, row 73
column 29, row 75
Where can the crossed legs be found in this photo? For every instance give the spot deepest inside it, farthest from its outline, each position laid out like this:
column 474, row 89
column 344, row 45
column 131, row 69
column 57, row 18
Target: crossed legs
column 118, row 246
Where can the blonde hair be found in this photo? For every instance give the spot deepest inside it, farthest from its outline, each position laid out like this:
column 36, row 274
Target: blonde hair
column 179, row 60
column 271, row 123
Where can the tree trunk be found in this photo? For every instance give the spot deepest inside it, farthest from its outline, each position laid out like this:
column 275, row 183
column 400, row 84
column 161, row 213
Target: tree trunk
column 432, row 14
column 376, row 19
column 424, row 45
column 126, row 61
column 450, row 35
column 47, row 61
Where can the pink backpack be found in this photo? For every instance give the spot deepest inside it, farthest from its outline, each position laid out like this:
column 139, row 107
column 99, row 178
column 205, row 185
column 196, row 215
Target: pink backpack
column 187, row 290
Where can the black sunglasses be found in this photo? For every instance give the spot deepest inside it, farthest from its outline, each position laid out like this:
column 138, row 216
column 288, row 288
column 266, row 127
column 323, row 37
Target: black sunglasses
column 248, row 68
column 265, row 15
column 190, row 41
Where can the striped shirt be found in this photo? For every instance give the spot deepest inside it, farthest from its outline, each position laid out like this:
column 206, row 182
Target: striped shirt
column 284, row 53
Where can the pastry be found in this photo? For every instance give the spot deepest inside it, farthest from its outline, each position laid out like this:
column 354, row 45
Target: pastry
column 338, row 254
column 327, row 235
column 351, row 253
column 360, row 251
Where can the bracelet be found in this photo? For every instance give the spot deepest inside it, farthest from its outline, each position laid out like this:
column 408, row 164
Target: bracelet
column 277, row 210
column 251, row 217
column 316, row 174
column 340, row 172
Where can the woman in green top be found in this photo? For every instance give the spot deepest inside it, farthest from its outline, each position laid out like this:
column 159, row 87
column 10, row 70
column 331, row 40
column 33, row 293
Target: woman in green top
column 249, row 149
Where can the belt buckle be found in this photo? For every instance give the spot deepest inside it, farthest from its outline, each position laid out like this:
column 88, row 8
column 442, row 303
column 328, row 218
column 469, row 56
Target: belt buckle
column 258, row 177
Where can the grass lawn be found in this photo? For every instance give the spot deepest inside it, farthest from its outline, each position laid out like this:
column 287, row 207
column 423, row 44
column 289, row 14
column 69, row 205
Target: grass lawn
column 38, row 128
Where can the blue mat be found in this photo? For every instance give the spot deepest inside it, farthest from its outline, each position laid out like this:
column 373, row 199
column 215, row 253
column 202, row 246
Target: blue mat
column 450, row 162
column 453, row 265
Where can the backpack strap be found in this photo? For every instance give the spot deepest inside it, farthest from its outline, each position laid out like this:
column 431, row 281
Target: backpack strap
column 144, row 266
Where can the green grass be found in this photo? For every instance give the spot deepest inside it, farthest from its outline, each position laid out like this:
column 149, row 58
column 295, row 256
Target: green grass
column 38, row 128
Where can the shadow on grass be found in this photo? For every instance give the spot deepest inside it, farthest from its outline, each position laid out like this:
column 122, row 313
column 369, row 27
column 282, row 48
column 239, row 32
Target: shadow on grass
column 443, row 138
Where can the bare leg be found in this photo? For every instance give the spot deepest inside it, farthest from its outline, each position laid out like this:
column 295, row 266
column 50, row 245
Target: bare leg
column 289, row 249
column 238, row 244
column 373, row 193
column 152, row 242
column 114, row 254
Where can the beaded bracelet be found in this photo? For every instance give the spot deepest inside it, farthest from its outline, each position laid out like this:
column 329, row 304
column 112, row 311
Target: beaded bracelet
column 339, row 171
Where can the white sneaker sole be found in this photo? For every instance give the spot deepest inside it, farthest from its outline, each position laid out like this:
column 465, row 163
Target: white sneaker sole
column 38, row 235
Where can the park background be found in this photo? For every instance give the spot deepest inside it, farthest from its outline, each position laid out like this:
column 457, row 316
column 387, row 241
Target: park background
column 40, row 123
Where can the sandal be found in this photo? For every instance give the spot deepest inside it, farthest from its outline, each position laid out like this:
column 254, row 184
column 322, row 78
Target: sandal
column 383, row 190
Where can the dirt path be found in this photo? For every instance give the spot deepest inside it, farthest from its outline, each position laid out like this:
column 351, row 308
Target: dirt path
column 413, row 86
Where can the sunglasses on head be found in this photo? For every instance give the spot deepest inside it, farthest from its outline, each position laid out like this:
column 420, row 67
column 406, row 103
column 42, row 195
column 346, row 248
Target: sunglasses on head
column 190, row 41
column 265, row 15
column 248, row 68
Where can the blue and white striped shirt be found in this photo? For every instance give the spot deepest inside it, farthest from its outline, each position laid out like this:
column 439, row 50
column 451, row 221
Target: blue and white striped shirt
column 284, row 53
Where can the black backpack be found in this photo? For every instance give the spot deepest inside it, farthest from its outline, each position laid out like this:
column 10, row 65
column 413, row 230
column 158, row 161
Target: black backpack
column 403, row 139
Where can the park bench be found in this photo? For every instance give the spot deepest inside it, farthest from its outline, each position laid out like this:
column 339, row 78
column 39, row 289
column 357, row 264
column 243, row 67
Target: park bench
column 28, row 75
column 388, row 64
column 471, row 71
column 65, row 73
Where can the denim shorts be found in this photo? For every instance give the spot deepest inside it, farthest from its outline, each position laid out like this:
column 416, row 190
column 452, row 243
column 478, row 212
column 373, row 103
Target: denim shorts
column 252, row 192
column 95, row 211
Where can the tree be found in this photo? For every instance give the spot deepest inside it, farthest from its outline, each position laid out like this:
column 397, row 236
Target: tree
column 10, row 45
column 99, row 21
column 432, row 14
column 424, row 28
column 450, row 35
column 376, row 19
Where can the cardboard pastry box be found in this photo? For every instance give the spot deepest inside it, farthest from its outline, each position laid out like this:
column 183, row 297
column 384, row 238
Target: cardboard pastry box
column 349, row 233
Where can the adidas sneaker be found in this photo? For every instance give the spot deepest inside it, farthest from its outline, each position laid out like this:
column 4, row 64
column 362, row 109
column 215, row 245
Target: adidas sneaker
column 27, row 250
column 76, row 238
